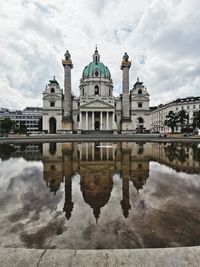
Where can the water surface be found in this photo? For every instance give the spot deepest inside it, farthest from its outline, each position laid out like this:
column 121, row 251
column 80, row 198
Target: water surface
column 99, row 195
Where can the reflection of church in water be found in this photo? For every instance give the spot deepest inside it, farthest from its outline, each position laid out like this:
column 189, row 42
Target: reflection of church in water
column 96, row 163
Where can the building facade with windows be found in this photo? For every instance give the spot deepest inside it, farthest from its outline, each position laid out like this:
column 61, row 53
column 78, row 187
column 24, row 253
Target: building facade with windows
column 29, row 117
column 96, row 108
column 158, row 115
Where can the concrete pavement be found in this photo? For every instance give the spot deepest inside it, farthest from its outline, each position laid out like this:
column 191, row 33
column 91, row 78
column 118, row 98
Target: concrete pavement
column 97, row 137
column 167, row 257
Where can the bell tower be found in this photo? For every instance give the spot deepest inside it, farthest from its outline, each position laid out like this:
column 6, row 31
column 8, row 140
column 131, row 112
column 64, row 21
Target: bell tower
column 67, row 64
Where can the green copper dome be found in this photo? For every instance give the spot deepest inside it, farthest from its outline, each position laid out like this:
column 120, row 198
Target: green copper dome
column 96, row 68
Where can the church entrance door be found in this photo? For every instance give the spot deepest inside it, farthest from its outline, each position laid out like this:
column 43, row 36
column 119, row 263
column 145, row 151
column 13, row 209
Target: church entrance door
column 52, row 125
column 97, row 125
column 97, row 121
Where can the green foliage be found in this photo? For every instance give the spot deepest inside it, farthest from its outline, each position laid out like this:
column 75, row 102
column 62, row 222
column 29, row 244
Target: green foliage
column 176, row 152
column 182, row 118
column 6, row 125
column 40, row 124
column 196, row 119
column 177, row 119
column 21, row 129
column 171, row 120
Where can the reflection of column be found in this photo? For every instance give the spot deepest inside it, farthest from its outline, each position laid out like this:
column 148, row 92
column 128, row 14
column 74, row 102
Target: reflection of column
column 107, row 120
column 107, row 152
column 68, row 173
column 68, row 206
column 80, row 119
column 92, row 151
column 93, row 121
column 87, row 120
column 125, row 204
column 113, row 153
column 101, row 152
column 101, row 121
column 125, row 193
column 86, row 151
column 80, row 151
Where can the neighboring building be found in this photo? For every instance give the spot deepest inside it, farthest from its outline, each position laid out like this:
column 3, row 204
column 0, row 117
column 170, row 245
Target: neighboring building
column 96, row 109
column 158, row 114
column 30, row 117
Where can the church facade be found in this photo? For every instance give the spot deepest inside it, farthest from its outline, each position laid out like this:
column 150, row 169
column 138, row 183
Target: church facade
column 96, row 108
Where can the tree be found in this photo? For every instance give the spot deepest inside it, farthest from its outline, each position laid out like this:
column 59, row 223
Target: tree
column 6, row 125
column 182, row 118
column 171, row 120
column 21, row 129
column 40, row 124
column 196, row 119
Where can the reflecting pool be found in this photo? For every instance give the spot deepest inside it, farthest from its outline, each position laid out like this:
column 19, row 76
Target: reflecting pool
column 99, row 195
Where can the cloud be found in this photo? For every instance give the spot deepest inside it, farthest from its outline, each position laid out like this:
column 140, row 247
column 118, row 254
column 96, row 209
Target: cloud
column 161, row 37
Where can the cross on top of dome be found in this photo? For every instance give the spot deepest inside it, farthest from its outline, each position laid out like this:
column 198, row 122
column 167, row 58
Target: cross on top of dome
column 96, row 56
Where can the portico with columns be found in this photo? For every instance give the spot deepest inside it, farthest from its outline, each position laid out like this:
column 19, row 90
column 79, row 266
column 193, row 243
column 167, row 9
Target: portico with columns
column 97, row 120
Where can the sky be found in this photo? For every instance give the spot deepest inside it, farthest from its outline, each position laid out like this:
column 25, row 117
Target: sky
column 161, row 37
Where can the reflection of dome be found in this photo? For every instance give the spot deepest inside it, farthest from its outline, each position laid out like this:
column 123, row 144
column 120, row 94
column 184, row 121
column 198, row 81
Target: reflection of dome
column 96, row 192
column 139, row 181
column 53, row 179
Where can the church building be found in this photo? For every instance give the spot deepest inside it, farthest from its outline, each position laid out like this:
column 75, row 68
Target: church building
column 96, row 108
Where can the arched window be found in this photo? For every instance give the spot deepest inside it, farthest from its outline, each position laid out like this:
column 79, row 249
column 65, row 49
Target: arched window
column 96, row 73
column 140, row 120
column 52, row 90
column 96, row 90
column 139, row 92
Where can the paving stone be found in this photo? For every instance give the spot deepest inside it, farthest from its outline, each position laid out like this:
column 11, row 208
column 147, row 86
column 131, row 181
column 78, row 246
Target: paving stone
column 23, row 258
column 55, row 258
column 87, row 258
column 168, row 257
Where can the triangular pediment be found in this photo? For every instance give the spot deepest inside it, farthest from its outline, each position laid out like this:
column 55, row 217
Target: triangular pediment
column 97, row 104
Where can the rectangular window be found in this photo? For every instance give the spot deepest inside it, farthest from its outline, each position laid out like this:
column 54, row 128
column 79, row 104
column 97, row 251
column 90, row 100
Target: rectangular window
column 52, row 104
column 139, row 105
column 194, row 106
column 188, row 107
